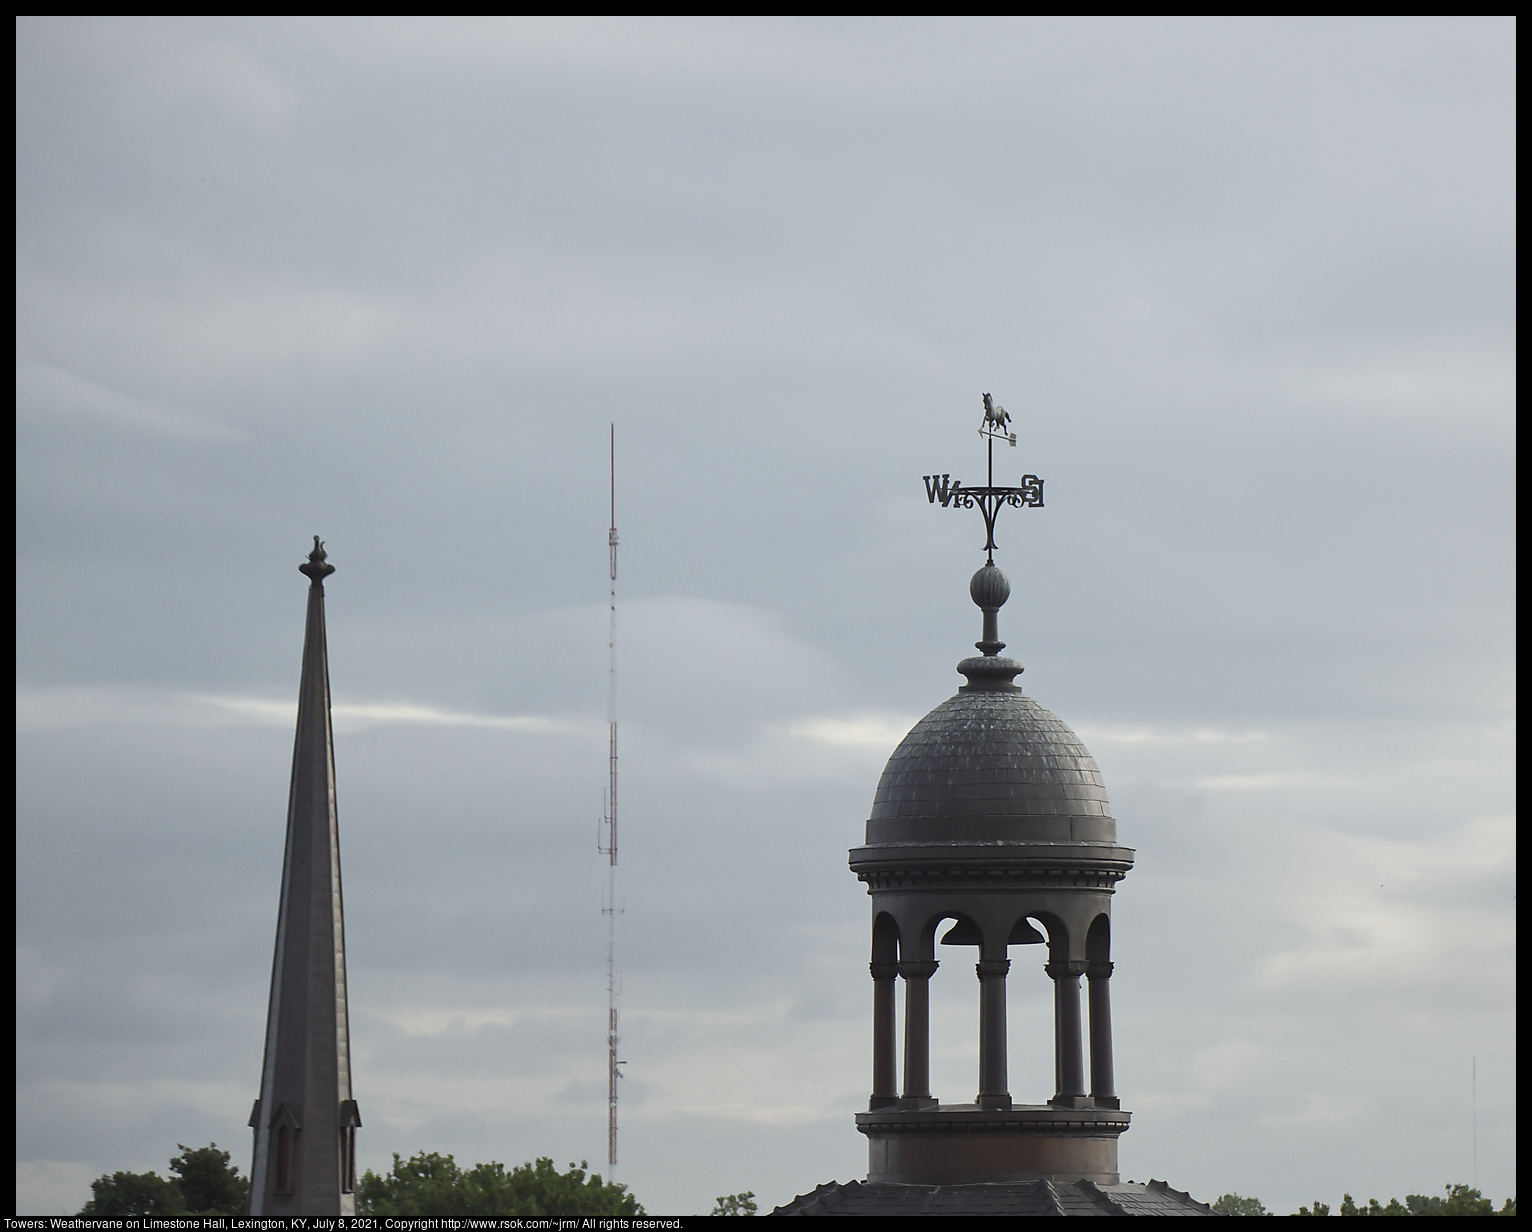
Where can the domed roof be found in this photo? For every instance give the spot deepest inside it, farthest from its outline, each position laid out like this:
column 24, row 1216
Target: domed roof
column 990, row 764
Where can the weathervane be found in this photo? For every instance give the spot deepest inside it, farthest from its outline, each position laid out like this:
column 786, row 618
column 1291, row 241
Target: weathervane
column 989, row 499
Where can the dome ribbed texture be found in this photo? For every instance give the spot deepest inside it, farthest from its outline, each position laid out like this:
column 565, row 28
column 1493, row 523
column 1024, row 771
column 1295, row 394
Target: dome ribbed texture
column 991, row 766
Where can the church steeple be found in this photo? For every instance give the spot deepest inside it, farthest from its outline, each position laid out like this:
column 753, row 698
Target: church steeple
column 305, row 1120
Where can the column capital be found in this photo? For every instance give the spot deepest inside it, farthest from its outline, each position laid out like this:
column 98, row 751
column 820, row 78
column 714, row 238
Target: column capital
column 884, row 970
column 918, row 969
column 992, row 968
column 1099, row 970
column 1064, row 970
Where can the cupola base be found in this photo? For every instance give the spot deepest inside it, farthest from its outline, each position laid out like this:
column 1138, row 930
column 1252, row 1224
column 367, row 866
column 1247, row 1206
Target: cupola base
column 960, row 1144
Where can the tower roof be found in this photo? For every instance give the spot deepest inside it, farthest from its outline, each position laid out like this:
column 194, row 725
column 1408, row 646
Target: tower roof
column 1013, row 1198
column 990, row 778
column 990, row 765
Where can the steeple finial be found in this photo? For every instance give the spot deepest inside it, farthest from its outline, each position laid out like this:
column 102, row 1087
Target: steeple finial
column 316, row 569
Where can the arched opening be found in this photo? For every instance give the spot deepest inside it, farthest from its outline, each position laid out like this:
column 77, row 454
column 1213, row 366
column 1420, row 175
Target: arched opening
column 954, row 1002
column 1029, row 1012
column 1098, row 941
column 885, row 938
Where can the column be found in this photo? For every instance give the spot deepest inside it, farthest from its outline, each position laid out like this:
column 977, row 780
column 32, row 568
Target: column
column 992, row 1067
column 1068, row 1055
column 885, row 1066
column 917, row 1032
column 1102, row 1085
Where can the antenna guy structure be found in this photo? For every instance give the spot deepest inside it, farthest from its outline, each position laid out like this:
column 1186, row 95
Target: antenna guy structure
column 611, row 910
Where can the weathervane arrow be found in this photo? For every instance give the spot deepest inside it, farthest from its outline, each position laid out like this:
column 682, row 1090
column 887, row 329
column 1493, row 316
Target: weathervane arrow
column 952, row 494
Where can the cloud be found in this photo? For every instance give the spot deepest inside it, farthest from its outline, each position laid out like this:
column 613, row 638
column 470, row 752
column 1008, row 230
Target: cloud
column 1266, row 781
column 759, row 1113
column 1322, row 1107
column 151, row 68
column 427, row 1021
column 52, row 1186
column 42, row 388
column 1371, row 911
column 873, row 732
column 213, row 319
column 1164, row 735
column 49, row 709
column 1229, row 1064
column 1443, row 379
column 353, row 716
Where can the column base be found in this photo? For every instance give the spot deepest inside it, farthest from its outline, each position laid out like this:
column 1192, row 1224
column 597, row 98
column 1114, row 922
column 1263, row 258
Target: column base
column 1106, row 1101
column 916, row 1103
column 882, row 1101
column 1071, row 1101
column 995, row 1101
column 965, row 1144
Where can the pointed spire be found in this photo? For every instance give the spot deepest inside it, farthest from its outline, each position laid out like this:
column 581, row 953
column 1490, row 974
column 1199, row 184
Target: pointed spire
column 305, row 1119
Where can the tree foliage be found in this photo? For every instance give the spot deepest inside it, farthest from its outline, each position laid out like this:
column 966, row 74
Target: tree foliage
column 134, row 1193
column 204, row 1184
column 1233, row 1204
column 1459, row 1200
column 735, row 1204
column 431, row 1185
column 209, row 1185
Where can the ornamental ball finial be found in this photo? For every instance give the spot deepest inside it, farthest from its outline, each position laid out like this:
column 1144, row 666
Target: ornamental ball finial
column 989, row 588
column 316, row 569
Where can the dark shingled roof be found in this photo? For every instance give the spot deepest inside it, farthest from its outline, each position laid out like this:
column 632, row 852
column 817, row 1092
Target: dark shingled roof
column 1000, row 1198
column 988, row 766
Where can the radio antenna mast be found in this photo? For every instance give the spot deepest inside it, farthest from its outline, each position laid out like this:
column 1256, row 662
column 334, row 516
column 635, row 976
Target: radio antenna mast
column 611, row 910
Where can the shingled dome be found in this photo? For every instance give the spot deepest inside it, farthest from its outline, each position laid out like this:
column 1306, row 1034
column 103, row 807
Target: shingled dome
column 990, row 764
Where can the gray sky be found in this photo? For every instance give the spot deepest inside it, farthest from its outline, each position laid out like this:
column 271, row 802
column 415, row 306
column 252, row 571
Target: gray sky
column 1245, row 287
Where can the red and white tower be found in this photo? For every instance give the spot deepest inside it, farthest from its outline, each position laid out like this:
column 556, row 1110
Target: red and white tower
column 611, row 910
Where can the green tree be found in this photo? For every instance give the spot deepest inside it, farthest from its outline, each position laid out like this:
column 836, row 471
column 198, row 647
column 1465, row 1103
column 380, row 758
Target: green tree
column 209, row 1184
column 1320, row 1208
column 1233, row 1204
column 1348, row 1207
column 735, row 1204
column 424, row 1185
column 431, row 1185
column 134, row 1193
column 1460, row 1200
column 204, row 1184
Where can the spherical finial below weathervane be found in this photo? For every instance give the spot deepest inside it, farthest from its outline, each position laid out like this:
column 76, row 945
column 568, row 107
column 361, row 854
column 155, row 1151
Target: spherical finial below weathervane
column 989, row 588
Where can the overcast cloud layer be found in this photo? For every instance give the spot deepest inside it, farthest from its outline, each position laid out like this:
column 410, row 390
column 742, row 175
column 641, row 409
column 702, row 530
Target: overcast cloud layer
column 1246, row 289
